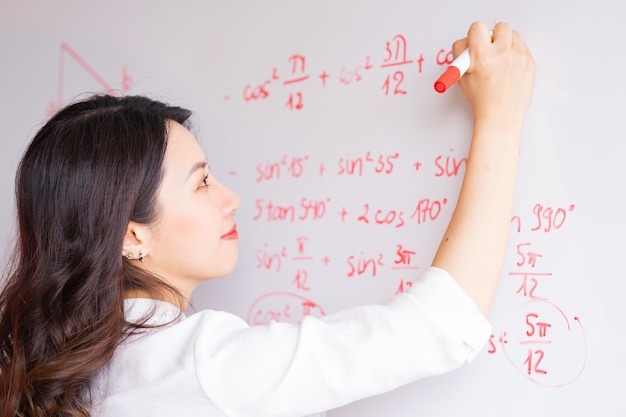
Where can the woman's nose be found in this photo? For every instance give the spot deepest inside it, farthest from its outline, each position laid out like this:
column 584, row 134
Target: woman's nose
column 230, row 201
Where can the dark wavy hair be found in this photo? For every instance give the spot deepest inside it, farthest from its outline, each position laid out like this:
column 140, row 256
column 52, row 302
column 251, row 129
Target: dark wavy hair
column 93, row 167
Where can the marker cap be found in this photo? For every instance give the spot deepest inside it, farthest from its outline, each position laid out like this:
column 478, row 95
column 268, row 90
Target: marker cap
column 449, row 77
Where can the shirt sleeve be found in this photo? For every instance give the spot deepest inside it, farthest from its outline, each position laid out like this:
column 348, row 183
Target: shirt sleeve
column 283, row 369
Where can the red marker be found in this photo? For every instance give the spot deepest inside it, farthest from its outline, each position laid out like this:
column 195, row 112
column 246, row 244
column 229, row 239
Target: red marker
column 455, row 71
column 457, row 68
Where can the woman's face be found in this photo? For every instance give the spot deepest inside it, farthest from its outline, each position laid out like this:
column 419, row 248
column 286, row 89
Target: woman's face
column 195, row 235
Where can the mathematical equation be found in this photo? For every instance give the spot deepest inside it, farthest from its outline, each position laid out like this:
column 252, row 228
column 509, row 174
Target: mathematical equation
column 299, row 166
column 305, row 208
column 541, row 340
column 396, row 64
column 293, row 306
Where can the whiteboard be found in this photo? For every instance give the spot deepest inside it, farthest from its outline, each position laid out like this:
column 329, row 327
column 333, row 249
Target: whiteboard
column 322, row 116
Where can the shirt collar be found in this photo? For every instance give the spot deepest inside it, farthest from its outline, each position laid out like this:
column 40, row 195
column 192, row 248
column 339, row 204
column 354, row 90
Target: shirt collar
column 158, row 313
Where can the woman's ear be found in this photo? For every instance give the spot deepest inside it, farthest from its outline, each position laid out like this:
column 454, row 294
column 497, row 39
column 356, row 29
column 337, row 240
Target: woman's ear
column 136, row 241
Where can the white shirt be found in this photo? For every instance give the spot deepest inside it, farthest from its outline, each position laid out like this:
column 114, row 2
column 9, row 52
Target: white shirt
column 212, row 363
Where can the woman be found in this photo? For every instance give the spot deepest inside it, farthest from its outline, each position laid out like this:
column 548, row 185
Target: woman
column 119, row 220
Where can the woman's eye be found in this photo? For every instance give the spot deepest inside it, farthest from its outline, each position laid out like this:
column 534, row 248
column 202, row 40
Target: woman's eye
column 205, row 181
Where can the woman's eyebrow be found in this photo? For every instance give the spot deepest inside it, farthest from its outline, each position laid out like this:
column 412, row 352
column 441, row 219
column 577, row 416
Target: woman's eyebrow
column 195, row 167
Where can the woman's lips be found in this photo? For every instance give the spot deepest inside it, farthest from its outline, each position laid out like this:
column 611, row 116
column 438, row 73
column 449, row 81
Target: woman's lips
column 232, row 233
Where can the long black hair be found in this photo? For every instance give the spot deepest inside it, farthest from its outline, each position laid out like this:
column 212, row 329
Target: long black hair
column 93, row 167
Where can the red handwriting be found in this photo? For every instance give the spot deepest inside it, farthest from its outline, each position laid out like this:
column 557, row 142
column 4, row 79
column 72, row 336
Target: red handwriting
column 300, row 280
column 404, row 261
column 535, row 326
column 308, row 209
column 363, row 265
column 425, row 210
column 530, row 282
column 387, row 164
column 396, row 55
column 378, row 216
column 295, row 101
column 544, row 344
column 302, row 275
column 533, row 361
column 396, row 52
column 282, row 307
column 444, row 57
column 358, row 265
column 549, row 219
column 297, row 75
column 428, row 210
column 404, row 285
column 544, row 219
column 292, row 166
column 393, row 84
column 540, row 340
column 527, row 257
column 298, row 70
column 260, row 91
column 404, row 257
column 379, row 164
column 348, row 76
column 449, row 166
column 397, row 61
column 270, row 261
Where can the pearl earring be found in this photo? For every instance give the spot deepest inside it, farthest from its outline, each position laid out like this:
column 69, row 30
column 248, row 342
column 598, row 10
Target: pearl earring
column 130, row 255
